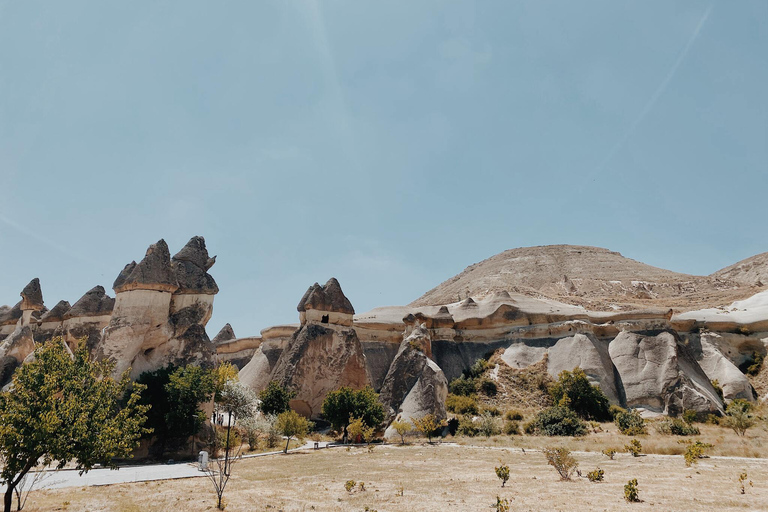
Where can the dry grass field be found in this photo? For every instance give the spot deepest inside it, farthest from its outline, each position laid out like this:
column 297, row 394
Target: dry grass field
column 453, row 476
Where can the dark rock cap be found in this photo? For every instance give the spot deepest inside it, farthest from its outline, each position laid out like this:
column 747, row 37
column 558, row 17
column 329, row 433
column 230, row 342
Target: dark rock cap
column 225, row 334
column 326, row 298
column 32, row 296
column 12, row 315
column 94, row 303
column 57, row 313
column 189, row 268
column 152, row 273
column 123, row 275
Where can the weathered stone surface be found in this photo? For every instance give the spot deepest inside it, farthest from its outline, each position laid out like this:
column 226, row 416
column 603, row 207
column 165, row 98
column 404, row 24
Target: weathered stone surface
column 415, row 385
column 95, row 302
column 718, row 367
column 122, row 277
column 11, row 315
column 32, row 296
column 56, row 314
column 225, row 334
column 589, row 354
column 190, row 267
column 329, row 297
column 15, row 347
column 151, row 273
column 319, row 359
column 659, row 374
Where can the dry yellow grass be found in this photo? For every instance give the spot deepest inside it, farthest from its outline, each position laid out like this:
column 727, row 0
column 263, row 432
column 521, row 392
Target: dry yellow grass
column 435, row 478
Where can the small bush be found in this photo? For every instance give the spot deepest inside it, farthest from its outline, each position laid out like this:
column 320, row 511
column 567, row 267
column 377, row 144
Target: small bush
column 460, row 404
column 493, row 411
column 462, row 386
column 529, row 427
column 689, row 416
column 221, row 438
column 514, row 415
column 511, row 428
column 596, row 475
column 676, row 427
column 609, row 452
column 630, row 423
column 713, row 419
column 694, row 452
column 467, row 427
column 631, row 491
column 501, row 505
column 718, row 389
column 634, row 447
column 614, row 410
column 574, row 390
column 477, row 369
column 559, row 421
column 488, row 387
column 562, row 460
column 488, row 425
column 738, row 417
column 743, row 482
column 349, row 485
column 502, row 472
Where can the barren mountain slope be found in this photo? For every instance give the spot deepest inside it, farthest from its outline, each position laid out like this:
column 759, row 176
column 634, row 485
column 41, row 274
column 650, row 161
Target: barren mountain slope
column 751, row 271
column 592, row 277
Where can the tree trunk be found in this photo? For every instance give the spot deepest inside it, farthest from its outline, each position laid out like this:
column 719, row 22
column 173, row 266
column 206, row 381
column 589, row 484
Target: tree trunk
column 286, row 445
column 8, row 498
column 226, row 451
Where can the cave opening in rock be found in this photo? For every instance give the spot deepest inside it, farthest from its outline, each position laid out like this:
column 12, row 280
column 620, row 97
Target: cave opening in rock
column 324, row 320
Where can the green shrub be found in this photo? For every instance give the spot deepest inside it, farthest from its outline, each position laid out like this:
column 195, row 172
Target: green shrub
column 630, row 423
column 574, row 390
column 462, row 386
column 529, row 427
column 477, row 369
column 503, row 473
column 501, row 505
column 676, row 427
column 614, row 410
column 493, row 411
column 689, row 416
column 559, row 421
column 511, row 428
column 634, row 447
column 350, row 485
column 752, row 365
column 459, row 404
column 514, row 415
column 467, row 427
column 694, row 452
column 235, row 439
column 609, row 452
column 738, row 417
column 631, row 491
column 713, row 419
column 488, row 387
column 488, row 425
column 562, row 460
column 596, row 475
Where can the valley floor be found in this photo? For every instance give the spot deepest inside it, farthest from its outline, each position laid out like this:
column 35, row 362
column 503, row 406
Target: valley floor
column 438, row 477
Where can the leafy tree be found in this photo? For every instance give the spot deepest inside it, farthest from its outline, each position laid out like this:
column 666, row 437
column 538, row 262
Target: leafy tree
column 64, row 407
column 275, row 399
column 402, row 428
column 175, row 395
column 291, row 424
column 502, row 472
column 222, row 374
column 427, row 425
column 588, row 401
column 558, row 421
column 345, row 403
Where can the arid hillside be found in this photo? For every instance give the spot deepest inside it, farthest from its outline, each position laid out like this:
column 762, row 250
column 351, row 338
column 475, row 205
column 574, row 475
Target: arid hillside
column 599, row 279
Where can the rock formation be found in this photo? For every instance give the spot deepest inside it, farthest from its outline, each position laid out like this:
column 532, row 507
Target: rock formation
column 225, row 334
column 13, row 351
column 414, row 385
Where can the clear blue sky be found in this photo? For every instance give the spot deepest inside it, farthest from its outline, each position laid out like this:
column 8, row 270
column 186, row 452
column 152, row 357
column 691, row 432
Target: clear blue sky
column 389, row 144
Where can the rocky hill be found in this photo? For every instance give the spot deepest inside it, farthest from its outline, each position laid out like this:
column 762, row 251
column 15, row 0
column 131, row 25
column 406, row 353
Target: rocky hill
column 599, row 280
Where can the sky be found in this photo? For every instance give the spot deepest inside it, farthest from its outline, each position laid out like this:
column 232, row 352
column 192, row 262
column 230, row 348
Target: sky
column 388, row 144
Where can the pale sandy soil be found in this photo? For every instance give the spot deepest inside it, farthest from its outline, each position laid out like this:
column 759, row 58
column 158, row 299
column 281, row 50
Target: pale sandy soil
column 436, row 478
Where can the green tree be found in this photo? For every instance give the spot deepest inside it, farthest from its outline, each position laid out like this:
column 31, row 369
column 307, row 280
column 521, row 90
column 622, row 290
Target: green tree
column 291, row 424
column 345, row 403
column 175, row 395
column 738, row 417
column 427, row 425
column 275, row 399
column 574, row 390
column 402, row 428
column 62, row 408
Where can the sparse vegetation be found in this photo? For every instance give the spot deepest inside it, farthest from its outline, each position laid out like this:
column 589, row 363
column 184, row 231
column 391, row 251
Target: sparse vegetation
column 514, row 415
column 467, row 427
column 501, row 505
column 290, row 424
column 634, row 447
column 562, row 460
column 427, row 425
column 738, row 417
column 596, row 476
column 488, row 387
column 402, row 428
column 462, row 386
column 511, row 428
column 743, row 482
column 695, row 451
column 489, row 425
column 676, row 427
column 753, row 364
column 631, row 491
column 630, row 423
column 609, row 452
column 460, row 404
column 502, row 471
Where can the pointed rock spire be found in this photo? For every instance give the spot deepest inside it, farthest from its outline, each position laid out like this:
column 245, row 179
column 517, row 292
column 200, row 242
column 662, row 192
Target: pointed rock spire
column 32, row 296
column 329, row 297
column 56, row 314
column 190, row 267
column 95, row 302
column 225, row 334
